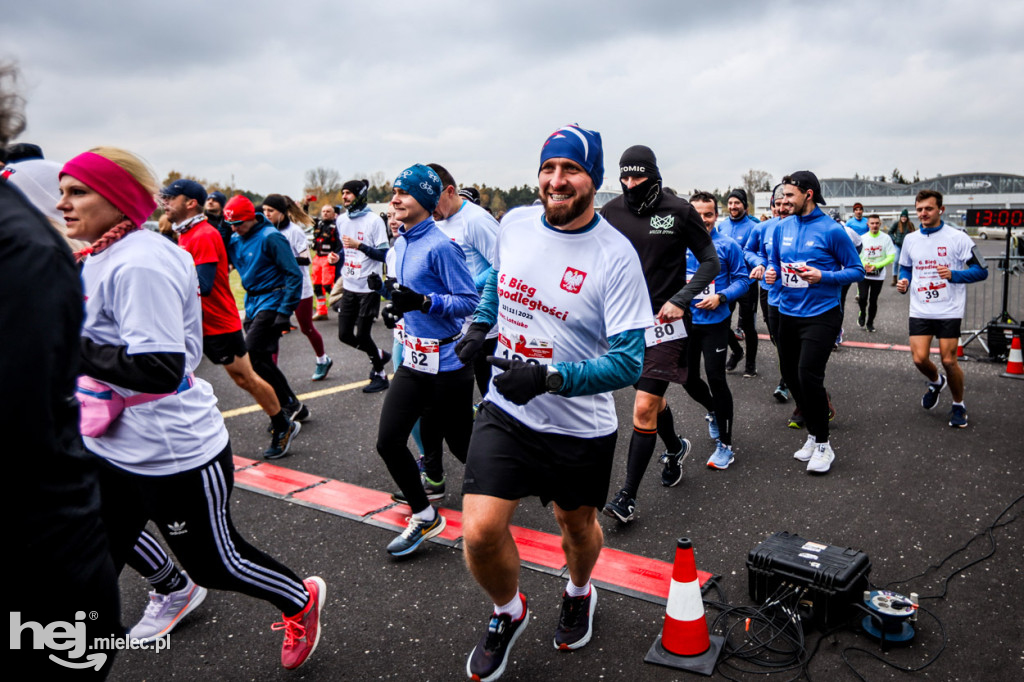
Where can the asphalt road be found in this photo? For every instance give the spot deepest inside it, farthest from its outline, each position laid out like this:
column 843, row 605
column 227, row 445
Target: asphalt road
column 905, row 488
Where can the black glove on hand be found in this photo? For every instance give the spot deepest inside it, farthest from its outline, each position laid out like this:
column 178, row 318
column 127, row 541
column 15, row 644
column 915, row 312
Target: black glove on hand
column 374, row 282
column 405, row 299
column 469, row 345
column 283, row 323
column 521, row 381
column 390, row 316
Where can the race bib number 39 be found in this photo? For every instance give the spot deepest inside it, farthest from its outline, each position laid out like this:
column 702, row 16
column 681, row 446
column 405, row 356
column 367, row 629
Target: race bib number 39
column 660, row 333
column 932, row 292
column 532, row 350
column 422, row 355
column 791, row 275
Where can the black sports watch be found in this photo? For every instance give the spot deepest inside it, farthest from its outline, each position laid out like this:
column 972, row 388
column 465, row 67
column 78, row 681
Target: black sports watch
column 425, row 306
column 722, row 299
column 554, row 380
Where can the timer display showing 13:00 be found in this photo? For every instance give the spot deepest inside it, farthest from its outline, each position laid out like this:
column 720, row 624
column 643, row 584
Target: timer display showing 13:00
column 999, row 217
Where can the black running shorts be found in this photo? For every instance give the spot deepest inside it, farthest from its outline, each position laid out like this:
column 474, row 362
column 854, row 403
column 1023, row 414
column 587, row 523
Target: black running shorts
column 223, row 349
column 940, row 329
column 511, row 461
column 663, row 363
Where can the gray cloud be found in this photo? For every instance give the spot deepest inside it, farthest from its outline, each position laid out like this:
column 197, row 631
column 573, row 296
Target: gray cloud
column 265, row 90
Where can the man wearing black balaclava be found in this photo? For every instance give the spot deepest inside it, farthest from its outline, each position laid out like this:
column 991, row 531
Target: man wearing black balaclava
column 661, row 227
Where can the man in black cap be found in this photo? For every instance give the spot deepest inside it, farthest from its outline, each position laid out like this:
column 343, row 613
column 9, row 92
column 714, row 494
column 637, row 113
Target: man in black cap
column 661, row 227
column 214, row 211
column 739, row 225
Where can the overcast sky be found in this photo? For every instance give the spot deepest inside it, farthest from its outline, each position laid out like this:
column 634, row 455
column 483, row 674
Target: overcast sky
column 262, row 91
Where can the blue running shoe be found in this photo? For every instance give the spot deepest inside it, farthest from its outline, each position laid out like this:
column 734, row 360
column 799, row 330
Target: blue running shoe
column 958, row 417
column 722, row 457
column 712, row 421
column 931, row 398
column 415, row 533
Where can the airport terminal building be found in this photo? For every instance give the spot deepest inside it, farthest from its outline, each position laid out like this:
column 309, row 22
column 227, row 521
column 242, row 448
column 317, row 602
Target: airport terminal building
column 961, row 191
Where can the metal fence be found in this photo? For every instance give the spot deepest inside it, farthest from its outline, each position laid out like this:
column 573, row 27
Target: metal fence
column 985, row 305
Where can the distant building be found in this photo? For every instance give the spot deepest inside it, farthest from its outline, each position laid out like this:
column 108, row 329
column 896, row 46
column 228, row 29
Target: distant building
column 960, row 192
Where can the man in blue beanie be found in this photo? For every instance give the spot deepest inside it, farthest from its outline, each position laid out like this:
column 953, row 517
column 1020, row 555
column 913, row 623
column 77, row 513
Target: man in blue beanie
column 570, row 303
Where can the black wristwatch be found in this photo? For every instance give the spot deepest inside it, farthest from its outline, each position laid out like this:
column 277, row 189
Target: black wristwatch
column 721, row 299
column 553, row 381
column 425, row 306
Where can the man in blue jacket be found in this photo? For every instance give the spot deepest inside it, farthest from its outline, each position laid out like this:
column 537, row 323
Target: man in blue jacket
column 709, row 332
column 273, row 286
column 814, row 258
column 739, row 226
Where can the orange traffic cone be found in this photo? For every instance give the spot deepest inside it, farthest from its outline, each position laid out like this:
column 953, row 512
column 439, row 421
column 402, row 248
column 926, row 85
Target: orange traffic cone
column 1015, row 362
column 959, row 349
column 684, row 642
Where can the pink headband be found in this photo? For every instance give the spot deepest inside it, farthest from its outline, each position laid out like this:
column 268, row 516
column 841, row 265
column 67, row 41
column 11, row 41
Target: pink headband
column 114, row 184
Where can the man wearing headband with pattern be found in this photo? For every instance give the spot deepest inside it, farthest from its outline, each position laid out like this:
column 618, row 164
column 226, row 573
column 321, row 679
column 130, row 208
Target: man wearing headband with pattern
column 661, row 227
column 570, row 330
column 434, row 293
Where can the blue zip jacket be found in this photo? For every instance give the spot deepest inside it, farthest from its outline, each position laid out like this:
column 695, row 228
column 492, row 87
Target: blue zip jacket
column 430, row 263
column 269, row 273
column 755, row 246
column 740, row 231
column 732, row 280
column 822, row 243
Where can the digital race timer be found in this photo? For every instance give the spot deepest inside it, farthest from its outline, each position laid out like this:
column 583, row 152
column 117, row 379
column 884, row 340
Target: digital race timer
column 995, row 217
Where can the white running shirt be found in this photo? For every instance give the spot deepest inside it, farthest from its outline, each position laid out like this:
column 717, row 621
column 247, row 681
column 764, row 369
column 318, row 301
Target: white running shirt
column 931, row 297
column 143, row 292
column 300, row 245
column 567, row 292
column 369, row 229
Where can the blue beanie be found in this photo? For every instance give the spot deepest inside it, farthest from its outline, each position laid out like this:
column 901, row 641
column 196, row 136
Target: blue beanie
column 422, row 184
column 580, row 145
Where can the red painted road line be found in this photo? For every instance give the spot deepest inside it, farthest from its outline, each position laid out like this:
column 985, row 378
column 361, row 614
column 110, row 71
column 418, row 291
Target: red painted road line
column 864, row 344
column 630, row 572
column 345, row 498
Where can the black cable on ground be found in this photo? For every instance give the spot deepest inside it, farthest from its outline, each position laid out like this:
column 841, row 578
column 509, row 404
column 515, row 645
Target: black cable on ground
column 772, row 639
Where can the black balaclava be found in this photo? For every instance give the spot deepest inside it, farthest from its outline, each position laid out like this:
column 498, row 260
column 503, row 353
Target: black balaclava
column 359, row 188
column 638, row 161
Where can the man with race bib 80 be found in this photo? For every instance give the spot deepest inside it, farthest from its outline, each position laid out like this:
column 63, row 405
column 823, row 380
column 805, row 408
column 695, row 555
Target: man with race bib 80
column 571, row 307
column 936, row 265
column 661, row 227
column 434, row 293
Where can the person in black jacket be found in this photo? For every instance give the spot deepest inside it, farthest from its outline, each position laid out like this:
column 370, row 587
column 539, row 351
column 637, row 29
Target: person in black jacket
column 661, row 227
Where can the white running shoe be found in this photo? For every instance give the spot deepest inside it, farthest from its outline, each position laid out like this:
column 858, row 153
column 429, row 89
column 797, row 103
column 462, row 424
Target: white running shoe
column 822, row 459
column 165, row 611
column 804, row 453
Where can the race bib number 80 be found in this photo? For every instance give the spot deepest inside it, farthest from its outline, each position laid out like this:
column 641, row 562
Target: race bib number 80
column 660, row 333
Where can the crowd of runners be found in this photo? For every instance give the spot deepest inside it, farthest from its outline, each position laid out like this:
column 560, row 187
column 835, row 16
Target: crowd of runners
column 509, row 359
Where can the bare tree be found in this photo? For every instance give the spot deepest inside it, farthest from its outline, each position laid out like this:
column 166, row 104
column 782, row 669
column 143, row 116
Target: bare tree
column 322, row 181
column 756, row 181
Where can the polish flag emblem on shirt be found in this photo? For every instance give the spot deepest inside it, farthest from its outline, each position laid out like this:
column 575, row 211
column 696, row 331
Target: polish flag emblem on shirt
column 942, row 251
column 572, row 280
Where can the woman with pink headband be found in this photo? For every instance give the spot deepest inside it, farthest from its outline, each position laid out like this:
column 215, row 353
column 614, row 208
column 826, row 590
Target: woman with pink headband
column 155, row 425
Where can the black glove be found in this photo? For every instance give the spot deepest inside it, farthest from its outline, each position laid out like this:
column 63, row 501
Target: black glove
column 374, row 282
column 390, row 316
column 405, row 299
column 283, row 323
column 469, row 345
column 521, row 381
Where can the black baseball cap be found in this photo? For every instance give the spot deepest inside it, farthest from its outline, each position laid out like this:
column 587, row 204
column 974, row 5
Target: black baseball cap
column 806, row 180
